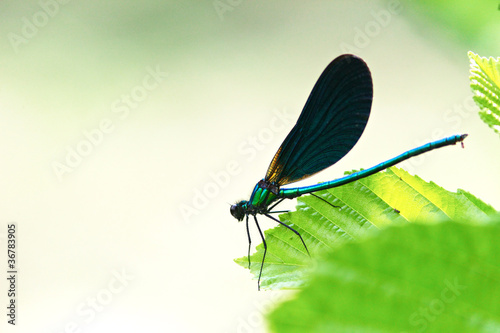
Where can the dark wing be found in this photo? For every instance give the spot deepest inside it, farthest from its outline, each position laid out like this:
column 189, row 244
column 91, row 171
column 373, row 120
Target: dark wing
column 330, row 124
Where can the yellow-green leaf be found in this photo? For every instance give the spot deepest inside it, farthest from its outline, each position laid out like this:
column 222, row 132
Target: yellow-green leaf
column 485, row 83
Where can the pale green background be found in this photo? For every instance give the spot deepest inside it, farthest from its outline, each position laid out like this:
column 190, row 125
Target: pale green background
column 120, row 208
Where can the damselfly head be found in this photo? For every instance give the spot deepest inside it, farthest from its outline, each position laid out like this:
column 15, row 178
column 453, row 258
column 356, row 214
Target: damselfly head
column 238, row 211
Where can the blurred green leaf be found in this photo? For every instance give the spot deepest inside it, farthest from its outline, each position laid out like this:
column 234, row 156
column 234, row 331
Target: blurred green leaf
column 440, row 277
column 473, row 24
column 392, row 197
column 485, row 83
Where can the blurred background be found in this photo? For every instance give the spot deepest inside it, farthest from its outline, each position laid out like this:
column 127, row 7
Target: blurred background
column 128, row 128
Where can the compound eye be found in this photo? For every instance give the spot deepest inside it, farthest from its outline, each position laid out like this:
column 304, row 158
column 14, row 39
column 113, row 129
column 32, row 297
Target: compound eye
column 237, row 211
column 234, row 210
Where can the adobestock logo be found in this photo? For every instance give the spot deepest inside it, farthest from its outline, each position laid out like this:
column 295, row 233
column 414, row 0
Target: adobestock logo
column 31, row 26
column 454, row 117
column 247, row 149
column 223, row 6
column 94, row 137
column 88, row 310
column 426, row 315
column 255, row 319
column 381, row 19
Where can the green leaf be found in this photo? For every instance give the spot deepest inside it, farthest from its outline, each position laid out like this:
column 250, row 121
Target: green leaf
column 485, row 83
column 440, row 277
column 392, row 197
